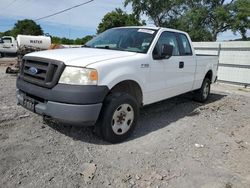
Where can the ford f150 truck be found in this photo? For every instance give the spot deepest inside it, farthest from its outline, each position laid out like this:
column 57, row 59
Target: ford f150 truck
column 105, row 82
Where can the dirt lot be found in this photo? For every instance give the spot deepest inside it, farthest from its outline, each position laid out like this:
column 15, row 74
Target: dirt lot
column 177, row 143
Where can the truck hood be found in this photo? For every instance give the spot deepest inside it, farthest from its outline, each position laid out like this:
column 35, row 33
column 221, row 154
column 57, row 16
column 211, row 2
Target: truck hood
column 81, row 56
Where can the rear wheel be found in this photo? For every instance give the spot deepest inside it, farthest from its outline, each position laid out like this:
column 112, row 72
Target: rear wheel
column 202, row 94
column 118, row 117
column 8, row 70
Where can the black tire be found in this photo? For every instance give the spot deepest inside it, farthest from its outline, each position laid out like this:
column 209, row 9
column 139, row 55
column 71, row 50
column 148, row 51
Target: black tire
column 202, row 94
column 8, row 70
column 117, row 103
column 1, row 55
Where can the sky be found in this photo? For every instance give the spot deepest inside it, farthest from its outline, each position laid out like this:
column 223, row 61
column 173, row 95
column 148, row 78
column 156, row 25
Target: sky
column 77, row 22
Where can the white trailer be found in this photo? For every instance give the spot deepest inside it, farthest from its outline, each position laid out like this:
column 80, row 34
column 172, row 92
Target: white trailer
column 23, row 45
column 41, row 42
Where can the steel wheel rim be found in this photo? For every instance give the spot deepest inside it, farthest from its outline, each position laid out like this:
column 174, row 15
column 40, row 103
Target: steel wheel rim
column 206, row 91
column 122, row 119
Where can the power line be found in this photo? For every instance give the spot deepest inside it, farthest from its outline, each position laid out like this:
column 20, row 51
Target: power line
column 64, row 10
column 11, row 3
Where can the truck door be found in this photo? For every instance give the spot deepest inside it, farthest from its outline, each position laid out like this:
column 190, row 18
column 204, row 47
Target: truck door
column 179, row 69
column 156, row 80
column 189, row 60
column 172, row 67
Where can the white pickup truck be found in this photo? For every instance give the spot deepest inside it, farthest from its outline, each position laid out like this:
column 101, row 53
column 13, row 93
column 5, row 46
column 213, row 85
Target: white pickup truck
column 8, row 45
column 105, row 82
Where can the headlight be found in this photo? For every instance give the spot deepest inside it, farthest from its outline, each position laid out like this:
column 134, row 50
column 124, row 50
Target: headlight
column 79, row 76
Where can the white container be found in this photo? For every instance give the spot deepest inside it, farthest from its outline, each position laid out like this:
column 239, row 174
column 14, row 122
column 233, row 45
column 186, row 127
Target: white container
column 41, row 42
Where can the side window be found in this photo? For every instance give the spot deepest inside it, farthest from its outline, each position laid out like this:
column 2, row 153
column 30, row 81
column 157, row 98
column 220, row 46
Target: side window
column 185, row 44
column 170, row 39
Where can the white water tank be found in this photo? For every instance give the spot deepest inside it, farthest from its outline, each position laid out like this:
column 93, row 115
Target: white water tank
column 41, row 42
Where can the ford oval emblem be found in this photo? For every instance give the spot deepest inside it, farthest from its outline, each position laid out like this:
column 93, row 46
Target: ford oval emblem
column 33, row 70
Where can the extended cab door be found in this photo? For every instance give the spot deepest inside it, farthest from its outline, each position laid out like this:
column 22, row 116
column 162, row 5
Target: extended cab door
column 179, row 69
column 189, row 61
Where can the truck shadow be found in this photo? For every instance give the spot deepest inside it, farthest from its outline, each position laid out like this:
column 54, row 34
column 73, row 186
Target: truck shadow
column 152, row 118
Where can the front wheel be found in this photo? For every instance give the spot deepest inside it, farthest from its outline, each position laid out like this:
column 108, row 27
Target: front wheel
column 118, row 117
column 202, row 94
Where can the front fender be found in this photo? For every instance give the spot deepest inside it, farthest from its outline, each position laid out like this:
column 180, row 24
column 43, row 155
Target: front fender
column 116, row 76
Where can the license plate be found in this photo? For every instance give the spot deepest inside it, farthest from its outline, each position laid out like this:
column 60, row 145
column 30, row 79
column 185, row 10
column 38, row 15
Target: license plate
column 29, row 103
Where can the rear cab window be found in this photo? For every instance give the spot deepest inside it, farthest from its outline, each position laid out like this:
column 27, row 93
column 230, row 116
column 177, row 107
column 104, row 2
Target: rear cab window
column 185, row 45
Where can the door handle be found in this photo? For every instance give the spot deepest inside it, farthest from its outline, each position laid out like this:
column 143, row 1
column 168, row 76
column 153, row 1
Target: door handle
column 181, row 65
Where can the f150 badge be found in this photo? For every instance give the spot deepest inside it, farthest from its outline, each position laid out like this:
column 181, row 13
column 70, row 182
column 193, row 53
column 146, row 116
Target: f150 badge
column 144, row 65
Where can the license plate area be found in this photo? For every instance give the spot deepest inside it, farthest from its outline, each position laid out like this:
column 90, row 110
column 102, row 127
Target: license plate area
column 29, row 103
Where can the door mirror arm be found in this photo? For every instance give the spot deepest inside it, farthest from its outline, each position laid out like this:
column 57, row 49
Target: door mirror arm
column 166, row 52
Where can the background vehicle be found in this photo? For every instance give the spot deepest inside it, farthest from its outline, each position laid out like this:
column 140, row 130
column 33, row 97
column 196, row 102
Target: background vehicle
column 8, row 45
column 23, row 45
column 112, row 76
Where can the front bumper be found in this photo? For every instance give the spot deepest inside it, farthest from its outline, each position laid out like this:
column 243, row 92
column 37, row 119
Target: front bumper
column 76, row 105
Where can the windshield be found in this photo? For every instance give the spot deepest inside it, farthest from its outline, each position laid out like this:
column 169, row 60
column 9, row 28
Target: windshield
column 6, row 40
column 124, row 39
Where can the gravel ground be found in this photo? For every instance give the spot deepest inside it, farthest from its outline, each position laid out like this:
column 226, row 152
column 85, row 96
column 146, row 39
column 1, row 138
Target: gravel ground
column 177, row 143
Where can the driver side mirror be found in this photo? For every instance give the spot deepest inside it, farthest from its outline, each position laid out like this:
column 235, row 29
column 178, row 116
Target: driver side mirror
column 166, row 51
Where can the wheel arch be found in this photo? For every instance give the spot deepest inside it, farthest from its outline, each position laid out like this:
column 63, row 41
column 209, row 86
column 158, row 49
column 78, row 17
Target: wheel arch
column 209, row 75
column 131, row 87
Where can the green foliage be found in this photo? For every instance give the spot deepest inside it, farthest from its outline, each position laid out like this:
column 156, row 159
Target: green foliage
column 118, row 18
column 78, row 41
column 29, row 27
column 202, row 19
column 6, row 33
column 208, row 17
column 193, row 23
column 81, row 41
column 26, row 27
column 241, row 17
column 159, row 11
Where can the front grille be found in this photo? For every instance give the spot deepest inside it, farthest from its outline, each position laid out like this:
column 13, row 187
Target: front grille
column 42, row 72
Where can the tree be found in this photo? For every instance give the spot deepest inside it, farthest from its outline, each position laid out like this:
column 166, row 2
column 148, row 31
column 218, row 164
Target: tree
column 159, row 11
column 81, row 41
column 193, row 23
column 118, row 18
column 77, row 41
column 55, row 40
column 218, row 17
column 178, row 14
column 241, row 17
column 6, row 33
column 203, row 19
column 26, row 27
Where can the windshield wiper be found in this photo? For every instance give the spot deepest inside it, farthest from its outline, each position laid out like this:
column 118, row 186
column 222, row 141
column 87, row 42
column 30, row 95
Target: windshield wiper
column 103, row 47
column 85, row 46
